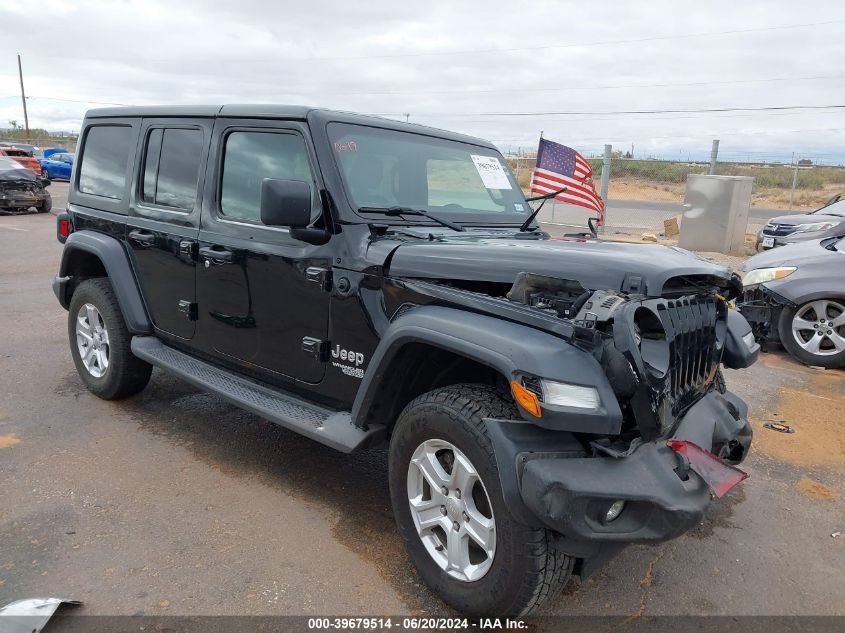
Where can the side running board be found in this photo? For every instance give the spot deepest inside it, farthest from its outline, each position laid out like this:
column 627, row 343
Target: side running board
column 332, row 428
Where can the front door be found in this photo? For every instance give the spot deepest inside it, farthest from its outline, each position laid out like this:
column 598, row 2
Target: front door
column 163, row 221
column 262, row 300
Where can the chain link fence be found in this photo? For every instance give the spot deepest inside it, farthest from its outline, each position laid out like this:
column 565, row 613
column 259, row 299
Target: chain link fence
column 67, row 143
column 643, row 194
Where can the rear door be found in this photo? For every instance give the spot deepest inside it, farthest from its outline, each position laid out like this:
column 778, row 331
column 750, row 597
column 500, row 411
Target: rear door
column 164, row 216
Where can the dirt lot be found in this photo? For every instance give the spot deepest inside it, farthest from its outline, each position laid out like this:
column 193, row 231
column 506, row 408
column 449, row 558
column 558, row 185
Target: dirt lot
column 803, row 199
column 173, row 502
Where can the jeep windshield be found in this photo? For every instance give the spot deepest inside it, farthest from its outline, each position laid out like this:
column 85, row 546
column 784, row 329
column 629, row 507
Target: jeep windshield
column 384, row 169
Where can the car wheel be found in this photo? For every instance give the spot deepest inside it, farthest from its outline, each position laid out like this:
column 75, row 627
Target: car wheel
column 448, row 504
column 45, row 206
column 100, row 343
column 815, row 332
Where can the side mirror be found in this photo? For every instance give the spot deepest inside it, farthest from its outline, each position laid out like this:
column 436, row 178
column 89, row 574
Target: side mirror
column 285, row 203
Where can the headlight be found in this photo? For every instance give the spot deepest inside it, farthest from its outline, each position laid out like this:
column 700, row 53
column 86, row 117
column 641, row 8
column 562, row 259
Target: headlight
column 748, row 339
column 812, row 228
column 563, row 394
column 762, row 275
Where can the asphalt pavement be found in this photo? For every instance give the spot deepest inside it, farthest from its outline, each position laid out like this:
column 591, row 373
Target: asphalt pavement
column 175, row 503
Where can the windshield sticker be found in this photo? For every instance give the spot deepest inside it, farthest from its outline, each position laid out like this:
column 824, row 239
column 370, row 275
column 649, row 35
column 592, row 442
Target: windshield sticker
column 346, row 146
column 491, row 171
column 518, row 207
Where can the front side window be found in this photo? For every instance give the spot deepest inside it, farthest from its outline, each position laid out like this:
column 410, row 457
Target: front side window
column 250, row 157
column 171, row 167
column 103, row 169
column 382, row 168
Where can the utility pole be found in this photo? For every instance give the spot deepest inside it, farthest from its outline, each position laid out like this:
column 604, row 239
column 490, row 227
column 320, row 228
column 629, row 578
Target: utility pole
column 794, row 180
column 605, row 173
column 23, row 98
column 713, row 154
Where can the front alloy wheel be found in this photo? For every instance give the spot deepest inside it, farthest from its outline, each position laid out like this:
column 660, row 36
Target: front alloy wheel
column 451, row 510
column 815, row 332
column 447, row 497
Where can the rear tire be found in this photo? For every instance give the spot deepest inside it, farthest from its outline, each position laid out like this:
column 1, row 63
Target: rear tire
column 526, row 567
column 47, row 205
column 800, row 336
column 100, row 343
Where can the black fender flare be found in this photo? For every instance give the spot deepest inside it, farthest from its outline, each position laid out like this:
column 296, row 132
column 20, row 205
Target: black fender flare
column 111, row 253
column 510, row 348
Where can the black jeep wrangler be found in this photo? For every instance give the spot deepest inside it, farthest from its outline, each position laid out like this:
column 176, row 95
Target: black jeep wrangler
column 362, row 281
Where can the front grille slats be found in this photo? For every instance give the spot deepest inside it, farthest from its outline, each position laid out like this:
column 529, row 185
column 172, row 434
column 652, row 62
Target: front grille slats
column 778, row 230
column 690, row 326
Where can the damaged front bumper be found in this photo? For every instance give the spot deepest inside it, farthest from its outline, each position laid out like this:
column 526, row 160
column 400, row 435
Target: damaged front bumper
column 21, row 197
column 571, row 492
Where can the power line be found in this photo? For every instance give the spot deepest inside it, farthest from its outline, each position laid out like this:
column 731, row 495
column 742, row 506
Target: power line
column 78, row 101
column 474, row 51
column 569, row 88
column 625, row 112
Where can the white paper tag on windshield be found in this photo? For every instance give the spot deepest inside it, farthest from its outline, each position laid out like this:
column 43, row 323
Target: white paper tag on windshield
column 491, row 171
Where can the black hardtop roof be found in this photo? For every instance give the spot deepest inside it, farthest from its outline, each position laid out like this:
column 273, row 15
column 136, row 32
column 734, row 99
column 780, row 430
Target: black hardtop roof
column 275, row 111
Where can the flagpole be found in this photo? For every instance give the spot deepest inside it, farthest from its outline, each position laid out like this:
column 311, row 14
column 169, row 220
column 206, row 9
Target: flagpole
column 536, row 162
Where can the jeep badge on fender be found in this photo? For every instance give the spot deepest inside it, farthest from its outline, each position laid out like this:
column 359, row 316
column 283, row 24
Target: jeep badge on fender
column 357, row 358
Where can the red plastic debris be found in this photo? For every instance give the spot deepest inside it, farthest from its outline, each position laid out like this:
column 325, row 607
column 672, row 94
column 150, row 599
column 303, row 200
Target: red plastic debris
column 721, row 477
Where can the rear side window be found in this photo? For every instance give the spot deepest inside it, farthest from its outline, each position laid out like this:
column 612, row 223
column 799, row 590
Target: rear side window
column 103, row 169
column 171, row 168
column 249, row 158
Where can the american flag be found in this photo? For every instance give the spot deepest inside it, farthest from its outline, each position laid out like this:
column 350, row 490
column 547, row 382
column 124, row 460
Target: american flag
column 560, row 166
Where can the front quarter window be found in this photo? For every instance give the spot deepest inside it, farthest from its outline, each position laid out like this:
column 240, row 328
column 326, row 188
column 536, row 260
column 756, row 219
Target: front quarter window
column 385, row 168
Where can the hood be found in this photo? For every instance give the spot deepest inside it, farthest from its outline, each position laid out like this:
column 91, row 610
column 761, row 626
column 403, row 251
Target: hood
column 790, row 255
column 806, row 218
column 639, row 268
column 17, row 174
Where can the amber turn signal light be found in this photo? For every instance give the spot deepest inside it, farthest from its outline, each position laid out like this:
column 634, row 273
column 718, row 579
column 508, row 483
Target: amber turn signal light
column 526, row 399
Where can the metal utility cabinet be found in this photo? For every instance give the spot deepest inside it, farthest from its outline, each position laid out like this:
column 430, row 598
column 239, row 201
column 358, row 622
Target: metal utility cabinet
column 716, row 213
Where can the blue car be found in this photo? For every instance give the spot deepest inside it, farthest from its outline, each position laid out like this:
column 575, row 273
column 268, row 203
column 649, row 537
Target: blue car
column 57, row 166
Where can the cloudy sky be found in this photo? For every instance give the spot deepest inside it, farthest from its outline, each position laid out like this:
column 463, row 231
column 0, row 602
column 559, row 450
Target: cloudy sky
column 496, row 69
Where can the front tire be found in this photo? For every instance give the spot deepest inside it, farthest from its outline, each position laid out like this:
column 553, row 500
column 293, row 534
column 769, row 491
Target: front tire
column 814, row 332
column 465, row 543
column 100, row 343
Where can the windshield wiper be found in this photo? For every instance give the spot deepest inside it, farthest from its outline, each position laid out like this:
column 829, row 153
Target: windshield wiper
column 544, row 197
column 400, row 211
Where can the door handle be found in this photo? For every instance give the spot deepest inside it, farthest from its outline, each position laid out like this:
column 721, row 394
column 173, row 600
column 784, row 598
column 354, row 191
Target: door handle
column 211, row 253
column 144, row 238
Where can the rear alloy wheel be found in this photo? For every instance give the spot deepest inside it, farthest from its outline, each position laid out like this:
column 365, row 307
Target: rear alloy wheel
column 815, row 332
column 101, row 345
column 92, row 340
